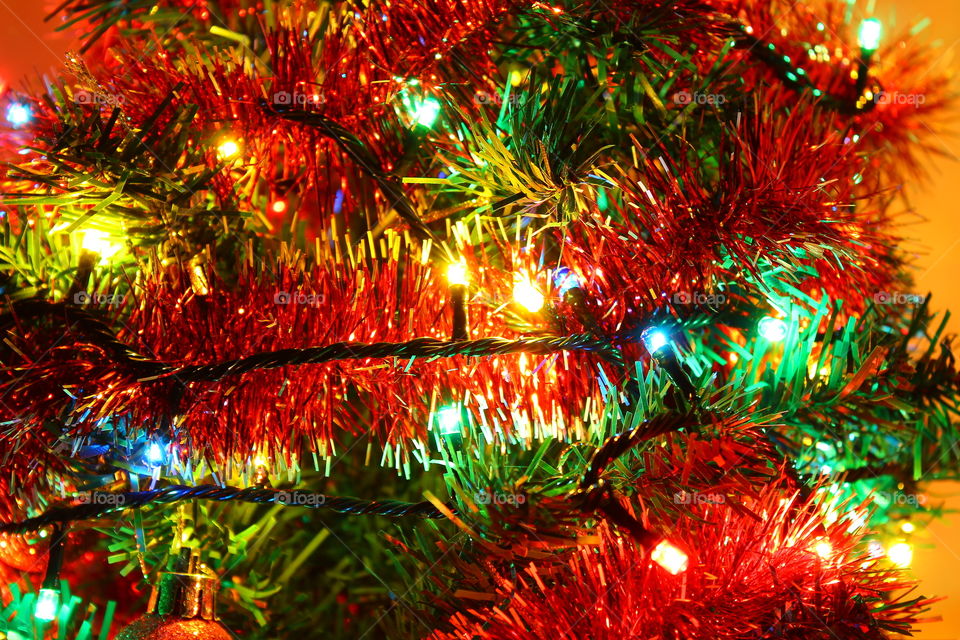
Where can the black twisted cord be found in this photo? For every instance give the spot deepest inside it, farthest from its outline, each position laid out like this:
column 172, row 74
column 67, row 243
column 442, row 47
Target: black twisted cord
column 595, row 494
column 417, row 348
column 101, row 504
column 84, row 322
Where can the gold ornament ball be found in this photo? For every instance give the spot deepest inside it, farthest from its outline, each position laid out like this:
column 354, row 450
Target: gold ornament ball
column 157, row 627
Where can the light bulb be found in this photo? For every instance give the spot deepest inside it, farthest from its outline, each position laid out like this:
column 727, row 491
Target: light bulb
column 99, row 242
column 278, row 206
column 869, row 35
column 669, row 557
column 527, row 295
column 448, row 420
column 154, row 456
column 457, row 273
column 823, row 548
column 426, row 112
column 772, row 329
column 908, row 527
column 654, row 339
column 564, row 280
column 48, row 601
column 18, row 114
column 228, row 149
column 900, row 554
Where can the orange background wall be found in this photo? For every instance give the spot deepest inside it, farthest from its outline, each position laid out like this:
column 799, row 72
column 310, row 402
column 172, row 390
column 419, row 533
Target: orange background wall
column 28, row 45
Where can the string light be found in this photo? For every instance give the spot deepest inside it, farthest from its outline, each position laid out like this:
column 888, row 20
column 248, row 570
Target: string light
column 18, row 114
column 457, row 273
column 869, row 35
column 48, row 598
column 654, row 340
column 426, row 112
column 448, row 420
column 227, row 149
column 772, row 329
column 900, row 554
column 48, row 602
column 908, row 527
column 154, row 455
column 669, row 557
column 278, row 206
column 99, row 242
column 823, row 548
column 527, row 295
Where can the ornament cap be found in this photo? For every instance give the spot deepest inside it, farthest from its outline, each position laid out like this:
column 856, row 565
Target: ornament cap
column 188, row 594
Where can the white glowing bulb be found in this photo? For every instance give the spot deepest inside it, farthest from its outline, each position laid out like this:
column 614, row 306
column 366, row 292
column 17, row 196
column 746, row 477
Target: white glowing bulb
column 900, row 554
column 669, row 557
column 48, row 601
column 527, row 295
column 869, row 36
column 908, row 527
column 772, row 329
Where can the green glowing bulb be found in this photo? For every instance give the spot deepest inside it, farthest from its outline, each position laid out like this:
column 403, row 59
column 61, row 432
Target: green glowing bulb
column 426, row 113
column 448, row 420
column 48, row 601
column 869, row 36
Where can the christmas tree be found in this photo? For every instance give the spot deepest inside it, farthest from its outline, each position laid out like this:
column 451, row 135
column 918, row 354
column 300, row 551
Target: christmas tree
column 489, row 319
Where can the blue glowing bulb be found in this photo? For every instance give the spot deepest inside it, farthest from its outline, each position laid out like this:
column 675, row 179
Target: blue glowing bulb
column 18, row 114
column 154, row 455
column 564, row 280
column 654, row 339
column 448, row 420
column 772, row 329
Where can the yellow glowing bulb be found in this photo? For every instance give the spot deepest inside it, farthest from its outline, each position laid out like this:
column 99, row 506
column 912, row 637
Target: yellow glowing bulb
column 457, row 273
column 901, row 554
column 669, row 557
column 99, row 242
column 527, row 295
column 908, row 527
column 228, row 149
column 823, row 549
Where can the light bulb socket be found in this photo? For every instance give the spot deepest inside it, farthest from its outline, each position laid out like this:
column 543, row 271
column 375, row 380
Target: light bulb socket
column 458, row 303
